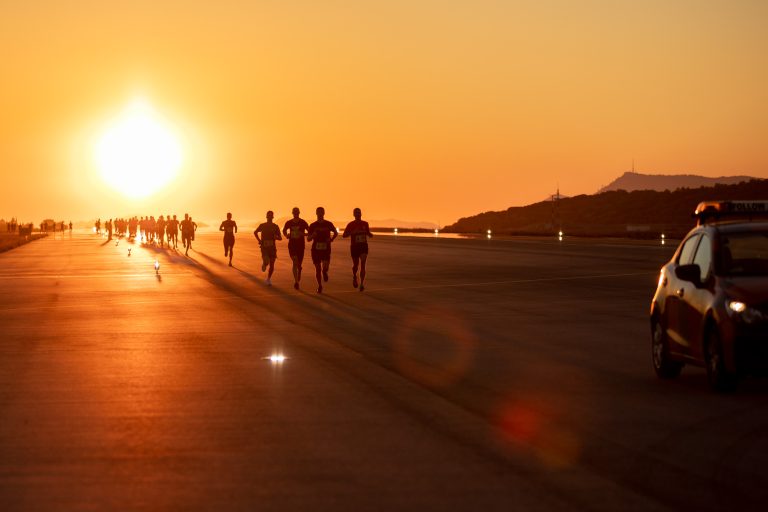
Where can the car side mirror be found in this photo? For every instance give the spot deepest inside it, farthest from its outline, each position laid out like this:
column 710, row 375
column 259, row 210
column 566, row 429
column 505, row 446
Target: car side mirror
column 691, row 272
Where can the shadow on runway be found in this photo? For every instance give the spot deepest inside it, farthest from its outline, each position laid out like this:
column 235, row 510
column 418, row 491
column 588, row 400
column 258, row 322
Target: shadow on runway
column 213, row 260
column 321, row 313
column 345, row 323
column 173, row 255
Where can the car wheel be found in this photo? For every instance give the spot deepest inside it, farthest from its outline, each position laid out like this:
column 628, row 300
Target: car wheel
column 664, row 366
column 720, row 379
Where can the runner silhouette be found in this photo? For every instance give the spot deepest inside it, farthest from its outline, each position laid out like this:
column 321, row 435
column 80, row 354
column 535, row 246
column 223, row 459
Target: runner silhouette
column 187, row 232
column 270, row 232
column 229, row 227
column 319, row 234
column 295, row 230
column 359, row 231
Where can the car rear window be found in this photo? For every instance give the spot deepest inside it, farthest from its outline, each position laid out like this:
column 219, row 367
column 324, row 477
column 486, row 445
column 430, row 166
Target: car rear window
column 744, row 254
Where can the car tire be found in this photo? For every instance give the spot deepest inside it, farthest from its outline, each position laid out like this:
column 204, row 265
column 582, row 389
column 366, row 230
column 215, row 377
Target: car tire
column 720, row 379
column 664, row 366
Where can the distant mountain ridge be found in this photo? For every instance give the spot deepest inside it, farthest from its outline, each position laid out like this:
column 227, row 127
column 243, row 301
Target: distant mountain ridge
column 640, row 213
column 631, row 181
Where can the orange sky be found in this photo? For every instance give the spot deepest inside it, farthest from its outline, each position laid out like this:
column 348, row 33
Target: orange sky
column 418, row 110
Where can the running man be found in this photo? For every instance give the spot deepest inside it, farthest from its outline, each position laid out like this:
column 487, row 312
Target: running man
column 151, row 228
column 270, row 232
column 295, row 230
column 132, row 225
column 229, row 227
column 359, row 231
column 187, row 233
column 319, row 234
column 172, row 231
column 160, row 229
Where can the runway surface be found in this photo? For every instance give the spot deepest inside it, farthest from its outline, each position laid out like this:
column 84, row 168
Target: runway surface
column 470, row 375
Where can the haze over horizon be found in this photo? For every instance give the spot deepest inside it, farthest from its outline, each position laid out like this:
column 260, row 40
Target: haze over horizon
column 422, row 111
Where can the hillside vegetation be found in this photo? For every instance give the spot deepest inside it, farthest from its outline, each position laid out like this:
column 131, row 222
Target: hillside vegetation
column 641, row 213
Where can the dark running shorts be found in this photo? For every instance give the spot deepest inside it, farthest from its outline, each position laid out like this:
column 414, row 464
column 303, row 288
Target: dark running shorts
column 269, row 252
column 229, row 239
column 296, row 249
column 358, row 249
column 321, row 255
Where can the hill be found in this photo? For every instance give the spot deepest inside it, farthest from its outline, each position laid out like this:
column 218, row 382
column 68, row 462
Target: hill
column 406, row 224
column 641, row 213
column 631, row 181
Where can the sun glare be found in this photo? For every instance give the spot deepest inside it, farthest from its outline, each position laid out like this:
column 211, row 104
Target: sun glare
column 138, row 153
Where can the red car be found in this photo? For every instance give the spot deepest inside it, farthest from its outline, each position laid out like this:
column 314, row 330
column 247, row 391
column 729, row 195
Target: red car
column 711, row 305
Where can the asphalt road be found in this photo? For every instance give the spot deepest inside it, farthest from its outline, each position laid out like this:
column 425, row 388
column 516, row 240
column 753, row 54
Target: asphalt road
column 470, row 375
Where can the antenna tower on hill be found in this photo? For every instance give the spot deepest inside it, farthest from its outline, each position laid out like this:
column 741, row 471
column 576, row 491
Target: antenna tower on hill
column 556, row 210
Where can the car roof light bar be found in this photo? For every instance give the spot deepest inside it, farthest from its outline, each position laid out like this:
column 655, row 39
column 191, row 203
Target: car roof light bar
column 713, row 211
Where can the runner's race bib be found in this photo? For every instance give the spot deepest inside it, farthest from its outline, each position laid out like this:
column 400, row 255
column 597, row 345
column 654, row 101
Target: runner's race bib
column 268, row 243
column 360, row 238
column 321, row 246
column 296, row 233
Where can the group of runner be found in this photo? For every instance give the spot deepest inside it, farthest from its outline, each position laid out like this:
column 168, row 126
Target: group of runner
column 161, row 231
column 321, row 233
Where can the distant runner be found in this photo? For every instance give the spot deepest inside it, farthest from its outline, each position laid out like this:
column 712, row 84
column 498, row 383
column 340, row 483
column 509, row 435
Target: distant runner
column 229, row 227
column 320, row 236
column 151, row 229
column 270, row 232
column 187, row 232
column 360, row 232
column 295, row 230
column 173, row 232
column 133, row 225
column 160, row 229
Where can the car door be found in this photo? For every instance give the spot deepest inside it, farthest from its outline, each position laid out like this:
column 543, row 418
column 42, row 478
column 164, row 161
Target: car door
column 694, row 305
column 676, row 292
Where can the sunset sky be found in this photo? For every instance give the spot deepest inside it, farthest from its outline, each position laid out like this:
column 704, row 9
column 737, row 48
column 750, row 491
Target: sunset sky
column 417, row 110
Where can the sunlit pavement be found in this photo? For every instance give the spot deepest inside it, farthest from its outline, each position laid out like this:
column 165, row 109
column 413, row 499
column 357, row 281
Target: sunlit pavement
column 470, row 375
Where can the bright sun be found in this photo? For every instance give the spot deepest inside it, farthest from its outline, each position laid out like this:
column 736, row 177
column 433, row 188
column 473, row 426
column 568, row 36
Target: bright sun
column 138, row 153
